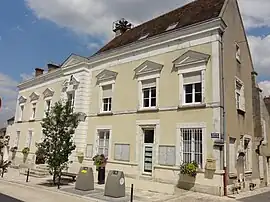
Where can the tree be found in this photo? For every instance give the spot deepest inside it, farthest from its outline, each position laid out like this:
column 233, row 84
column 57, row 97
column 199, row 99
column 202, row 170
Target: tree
column 58, row 128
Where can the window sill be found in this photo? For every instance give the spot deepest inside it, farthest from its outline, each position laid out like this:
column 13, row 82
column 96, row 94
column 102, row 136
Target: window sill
column 232, row 175
column 105, row 114
column 147, row 110
column 190, row 106
column 167, row 167
column 241, row 112
column 31, row 120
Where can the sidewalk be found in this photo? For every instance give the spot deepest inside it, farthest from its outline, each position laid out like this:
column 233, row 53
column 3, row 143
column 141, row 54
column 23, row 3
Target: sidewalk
column 40, row 189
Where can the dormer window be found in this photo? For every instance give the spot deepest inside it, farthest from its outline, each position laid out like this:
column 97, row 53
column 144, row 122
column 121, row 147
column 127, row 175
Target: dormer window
column 144, row 36
column 172, row 26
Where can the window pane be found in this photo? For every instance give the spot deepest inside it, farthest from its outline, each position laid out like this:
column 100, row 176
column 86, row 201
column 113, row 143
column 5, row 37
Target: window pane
column 198, row 87
column 146, row 93
column 153, row 102
column 188, row 88
column 188, row 98
column 100, row 150
column 149, row 136
column 106, row 152
column 198, row 97
column 101, row 135
column 146, row 102
column 153, row 92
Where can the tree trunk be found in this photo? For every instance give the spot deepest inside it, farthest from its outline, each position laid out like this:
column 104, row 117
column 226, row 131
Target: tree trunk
column 54, row 176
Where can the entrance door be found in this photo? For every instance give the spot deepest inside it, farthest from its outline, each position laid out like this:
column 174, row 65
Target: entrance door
column 148, row 150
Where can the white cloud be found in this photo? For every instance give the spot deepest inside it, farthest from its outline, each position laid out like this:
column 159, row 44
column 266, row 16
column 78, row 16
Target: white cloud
column 8, row 93
column 25, row 76
column 255, row 13
column 95, row 18
column 265, row 87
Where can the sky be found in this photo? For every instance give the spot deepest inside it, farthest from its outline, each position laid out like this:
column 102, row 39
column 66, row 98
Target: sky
column 36, row 32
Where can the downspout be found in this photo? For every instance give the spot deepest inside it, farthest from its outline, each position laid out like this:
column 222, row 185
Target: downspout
column 225, row 175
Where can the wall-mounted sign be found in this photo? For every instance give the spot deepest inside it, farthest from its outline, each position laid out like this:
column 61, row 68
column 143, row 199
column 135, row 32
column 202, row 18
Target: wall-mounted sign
column 214, row 135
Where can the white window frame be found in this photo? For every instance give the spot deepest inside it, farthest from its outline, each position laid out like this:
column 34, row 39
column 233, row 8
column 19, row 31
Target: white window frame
column 101, row 103
column 240, row 104
column 29, row 138
column 96, row 146
column 179, row 138
column 72, row 93
column 232, row 155
column 191, row 69
column 248, row 159
column 140, row 90
column 33, row 112
column 47, row 109
column 20, row 118
column 89, row 148
column 237, row 52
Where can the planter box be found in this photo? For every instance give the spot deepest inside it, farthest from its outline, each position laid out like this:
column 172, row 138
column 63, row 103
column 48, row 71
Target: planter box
column 186, row 182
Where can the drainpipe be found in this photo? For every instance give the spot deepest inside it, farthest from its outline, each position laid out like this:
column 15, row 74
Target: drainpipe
column 225, row 175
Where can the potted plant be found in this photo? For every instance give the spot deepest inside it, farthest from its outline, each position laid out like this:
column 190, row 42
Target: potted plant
column 13, row 151
column 80, row 157
column 100, row 162
column 189, row 169
column 25, row 153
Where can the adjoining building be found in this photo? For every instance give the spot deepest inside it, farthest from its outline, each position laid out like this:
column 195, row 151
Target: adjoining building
column 178, row 88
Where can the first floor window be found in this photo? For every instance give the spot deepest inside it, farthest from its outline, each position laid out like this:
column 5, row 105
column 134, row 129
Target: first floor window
column 21, row 113
column 192, row 88
column 48, row 105
column 70, row 98
column 34, row 105
column 107, row 98
column 103, row 142
column 192, row 145
column 149, row 93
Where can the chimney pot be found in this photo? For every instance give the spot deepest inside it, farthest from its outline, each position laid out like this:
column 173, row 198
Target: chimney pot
column 38, row 72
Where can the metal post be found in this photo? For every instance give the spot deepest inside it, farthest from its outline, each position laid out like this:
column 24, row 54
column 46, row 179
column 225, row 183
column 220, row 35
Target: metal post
column 131, row 193
column 27, row 176
column 59, row 180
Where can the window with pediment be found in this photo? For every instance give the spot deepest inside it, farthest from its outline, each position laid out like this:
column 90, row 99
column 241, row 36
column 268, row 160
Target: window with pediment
column 191, row 67
column 106, row 81
column 147, row 75
column 22, row 101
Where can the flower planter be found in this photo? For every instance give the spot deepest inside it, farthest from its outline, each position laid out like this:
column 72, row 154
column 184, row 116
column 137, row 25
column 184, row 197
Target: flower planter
column 80, row 159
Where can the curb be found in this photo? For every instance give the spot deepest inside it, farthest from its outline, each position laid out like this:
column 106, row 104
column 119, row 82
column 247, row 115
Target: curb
column 39, row 187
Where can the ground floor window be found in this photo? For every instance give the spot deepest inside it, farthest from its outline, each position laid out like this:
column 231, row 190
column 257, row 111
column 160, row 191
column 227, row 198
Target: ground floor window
column 103, row 142
column 192, row 145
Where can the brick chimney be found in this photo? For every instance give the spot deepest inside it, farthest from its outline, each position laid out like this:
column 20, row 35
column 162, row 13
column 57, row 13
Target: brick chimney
column 38, row 72
column 52, row 67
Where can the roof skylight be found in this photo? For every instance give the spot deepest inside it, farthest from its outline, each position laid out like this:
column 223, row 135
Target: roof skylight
column 144, row 36
column 172, row 26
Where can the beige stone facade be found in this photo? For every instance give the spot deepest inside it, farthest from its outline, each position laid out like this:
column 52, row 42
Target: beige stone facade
column 155, row 104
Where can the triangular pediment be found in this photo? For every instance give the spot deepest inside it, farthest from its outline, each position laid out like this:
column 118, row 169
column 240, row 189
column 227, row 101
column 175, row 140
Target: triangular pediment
column 48, row 93
column 191, row 57
column 148, row 67
column 73, row 59
column 106, row 75
column 22, row 99
column 34, row 96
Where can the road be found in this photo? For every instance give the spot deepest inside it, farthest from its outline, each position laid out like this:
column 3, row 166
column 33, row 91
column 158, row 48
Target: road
column 6, row 198
column 264, row 197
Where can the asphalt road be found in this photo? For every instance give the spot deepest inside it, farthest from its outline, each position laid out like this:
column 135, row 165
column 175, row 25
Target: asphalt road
column 265, row 197
column 6, row 198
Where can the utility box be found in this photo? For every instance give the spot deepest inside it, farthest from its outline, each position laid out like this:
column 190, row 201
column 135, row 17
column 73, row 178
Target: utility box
column 115, row 184
column 85, row 179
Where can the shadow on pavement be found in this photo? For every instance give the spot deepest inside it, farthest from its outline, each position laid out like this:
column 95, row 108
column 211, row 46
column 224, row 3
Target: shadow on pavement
column 6, row 198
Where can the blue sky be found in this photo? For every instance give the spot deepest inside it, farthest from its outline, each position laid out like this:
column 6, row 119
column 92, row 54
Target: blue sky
column 36, row 32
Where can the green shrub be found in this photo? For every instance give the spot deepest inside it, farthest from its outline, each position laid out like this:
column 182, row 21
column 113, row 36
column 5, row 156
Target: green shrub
column 189, row 169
